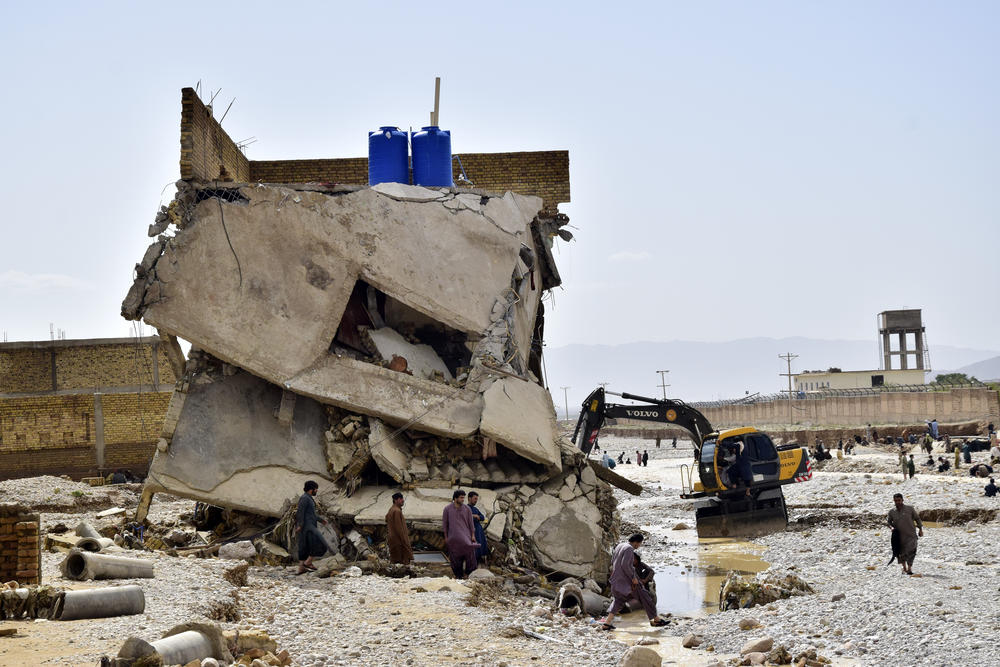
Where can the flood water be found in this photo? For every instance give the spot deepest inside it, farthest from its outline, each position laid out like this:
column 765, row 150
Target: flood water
column 694, row 590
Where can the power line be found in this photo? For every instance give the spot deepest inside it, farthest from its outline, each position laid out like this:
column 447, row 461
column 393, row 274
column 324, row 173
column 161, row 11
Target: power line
column 788, row 356
column 663, row 383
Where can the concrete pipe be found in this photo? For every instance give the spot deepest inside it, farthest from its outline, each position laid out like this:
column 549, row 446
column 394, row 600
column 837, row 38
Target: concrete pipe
column 181, row 644
column 100, row 603
column 82, row 565
column 571, row 595
column 179, row 649
column 94, row 544
column 84, row 529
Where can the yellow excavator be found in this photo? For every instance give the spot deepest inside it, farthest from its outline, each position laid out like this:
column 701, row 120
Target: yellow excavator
column 740, row 471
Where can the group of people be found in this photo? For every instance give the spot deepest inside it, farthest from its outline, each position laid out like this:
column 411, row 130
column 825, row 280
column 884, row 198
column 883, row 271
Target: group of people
column 463, row 525
column 641, row 459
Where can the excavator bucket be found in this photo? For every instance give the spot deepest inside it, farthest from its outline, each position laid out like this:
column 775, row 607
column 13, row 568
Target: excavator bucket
column 741, row 516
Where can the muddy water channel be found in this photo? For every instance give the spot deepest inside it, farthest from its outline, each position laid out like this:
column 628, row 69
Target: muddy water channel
column 693, row 590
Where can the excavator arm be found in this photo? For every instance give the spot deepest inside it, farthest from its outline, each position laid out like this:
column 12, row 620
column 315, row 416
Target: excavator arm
column 596, row 410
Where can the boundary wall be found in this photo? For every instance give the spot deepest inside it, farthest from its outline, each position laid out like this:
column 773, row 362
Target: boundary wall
column 81, row 407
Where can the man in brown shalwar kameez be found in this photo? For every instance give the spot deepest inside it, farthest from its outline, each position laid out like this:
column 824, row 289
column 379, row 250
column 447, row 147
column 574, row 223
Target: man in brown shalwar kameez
column 400, row 550
column 906, row 520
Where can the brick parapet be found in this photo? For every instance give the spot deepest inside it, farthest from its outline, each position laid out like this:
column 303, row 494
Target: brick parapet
column 543, row 174
column 207, row 152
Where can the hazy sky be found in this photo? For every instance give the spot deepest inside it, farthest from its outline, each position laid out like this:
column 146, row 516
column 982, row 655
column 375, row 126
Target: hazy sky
column 738, row 169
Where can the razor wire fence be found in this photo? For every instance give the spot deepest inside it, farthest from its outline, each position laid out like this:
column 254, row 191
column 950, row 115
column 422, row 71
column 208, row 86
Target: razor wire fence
column 819, row 394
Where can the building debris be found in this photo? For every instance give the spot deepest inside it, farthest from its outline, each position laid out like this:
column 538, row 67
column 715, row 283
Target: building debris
column 740, row 592
column 334, row 340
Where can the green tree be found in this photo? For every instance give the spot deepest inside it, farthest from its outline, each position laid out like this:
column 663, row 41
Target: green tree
column 954, row 378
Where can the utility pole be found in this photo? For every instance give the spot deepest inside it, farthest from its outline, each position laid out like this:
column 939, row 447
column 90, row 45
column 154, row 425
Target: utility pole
column 566, row 401
column 788, row 356
column 663, row 382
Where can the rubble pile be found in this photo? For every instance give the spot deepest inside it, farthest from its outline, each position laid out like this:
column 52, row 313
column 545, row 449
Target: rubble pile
column 740, row 592
column 371, row 339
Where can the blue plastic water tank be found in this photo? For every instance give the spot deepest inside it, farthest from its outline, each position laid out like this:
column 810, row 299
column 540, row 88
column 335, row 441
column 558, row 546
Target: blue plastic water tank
column 432, row 157
column 387, row 156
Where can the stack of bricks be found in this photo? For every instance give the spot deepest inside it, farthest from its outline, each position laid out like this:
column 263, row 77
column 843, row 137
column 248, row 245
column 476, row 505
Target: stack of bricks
column 20, row 550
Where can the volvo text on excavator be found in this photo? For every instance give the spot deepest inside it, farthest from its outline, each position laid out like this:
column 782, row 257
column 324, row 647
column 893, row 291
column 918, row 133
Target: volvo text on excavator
column 740, row 471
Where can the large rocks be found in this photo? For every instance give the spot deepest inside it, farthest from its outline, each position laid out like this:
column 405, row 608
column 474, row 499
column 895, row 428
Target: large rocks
column 741, row 592
column 640, row 656
column 567, row 536
column 238, row 550
column 758, row 645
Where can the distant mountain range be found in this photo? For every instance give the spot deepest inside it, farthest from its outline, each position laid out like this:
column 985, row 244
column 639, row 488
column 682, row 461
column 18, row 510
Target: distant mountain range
column 987, row 369
column 710, row 371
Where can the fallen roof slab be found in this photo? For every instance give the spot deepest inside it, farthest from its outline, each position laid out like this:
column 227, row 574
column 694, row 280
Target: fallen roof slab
column 517, row 415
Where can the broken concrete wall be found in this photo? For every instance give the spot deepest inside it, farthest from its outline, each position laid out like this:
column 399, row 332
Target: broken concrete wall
column 368, row 338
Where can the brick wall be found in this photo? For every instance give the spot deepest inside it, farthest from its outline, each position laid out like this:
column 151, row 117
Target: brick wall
column 26, row 367
column 76, row 462
column 544, row 174
column 207, row 152
column 57, row 434
column 352, row 171
column 130, row 418
column 20, row 550
column 25, row 370
column 114, row 365
column 957, row 405
column 37, row 422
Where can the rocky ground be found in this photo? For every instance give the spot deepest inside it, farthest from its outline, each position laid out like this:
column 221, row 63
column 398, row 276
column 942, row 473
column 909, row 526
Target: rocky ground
column 948, row 613
column 863, row 611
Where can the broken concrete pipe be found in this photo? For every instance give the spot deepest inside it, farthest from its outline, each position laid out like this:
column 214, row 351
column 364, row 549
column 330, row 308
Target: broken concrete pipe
column 84, row 529
column 94, row 544
column 180, row 645
column 82, row 565
column 571, row 595
column 100, row 603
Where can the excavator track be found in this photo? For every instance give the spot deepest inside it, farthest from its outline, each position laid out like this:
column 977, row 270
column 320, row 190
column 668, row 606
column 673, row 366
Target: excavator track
column 753, row 516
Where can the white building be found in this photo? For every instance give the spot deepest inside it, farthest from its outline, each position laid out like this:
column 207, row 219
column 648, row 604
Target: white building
column 819, row 380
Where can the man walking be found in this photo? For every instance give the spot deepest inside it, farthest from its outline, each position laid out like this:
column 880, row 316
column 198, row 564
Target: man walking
column 400, row 550
column 645, row 458
column 906, row 520
column 311, row 543
column 459, row 535
column 911, row 467
column 625, row 584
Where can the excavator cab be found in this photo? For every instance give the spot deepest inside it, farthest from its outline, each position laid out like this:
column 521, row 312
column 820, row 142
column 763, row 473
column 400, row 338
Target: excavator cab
column 737, row 458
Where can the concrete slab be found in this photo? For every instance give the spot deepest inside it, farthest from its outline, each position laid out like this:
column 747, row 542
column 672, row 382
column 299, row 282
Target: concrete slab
column 567, row 536
column 389, row 449
column 495, row 528
column 394, row 397
column 520, row 415
column 273, row 302
column 227, row 435
column 421, row 360
column 404, row 192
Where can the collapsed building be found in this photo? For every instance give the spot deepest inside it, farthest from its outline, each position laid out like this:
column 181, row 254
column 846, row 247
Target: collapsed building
column 370, row 338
